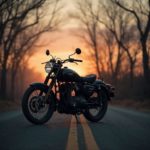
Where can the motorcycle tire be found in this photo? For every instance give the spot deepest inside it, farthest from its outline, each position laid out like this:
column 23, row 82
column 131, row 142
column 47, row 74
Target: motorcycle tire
column 25, row 107
column 103, row 110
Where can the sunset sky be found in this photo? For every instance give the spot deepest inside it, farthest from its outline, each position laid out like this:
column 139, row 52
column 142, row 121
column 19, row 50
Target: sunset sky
column 64, row 44
column 61, row 44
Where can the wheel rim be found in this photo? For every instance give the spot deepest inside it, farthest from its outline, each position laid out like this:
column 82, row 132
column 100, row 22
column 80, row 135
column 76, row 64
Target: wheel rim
column 36, row 105
column 95, row 98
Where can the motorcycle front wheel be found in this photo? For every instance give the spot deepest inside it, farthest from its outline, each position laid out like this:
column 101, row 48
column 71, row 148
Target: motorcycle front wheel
column 33, row 106
column 96, row 114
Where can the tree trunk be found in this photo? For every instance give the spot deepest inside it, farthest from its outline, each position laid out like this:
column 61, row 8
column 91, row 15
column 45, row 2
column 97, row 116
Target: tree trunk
column 117, row 67
column 97, row 59
column 12, row 86
column 98, row 68
column 3, row 81
column 131, row 74
column 145, row 62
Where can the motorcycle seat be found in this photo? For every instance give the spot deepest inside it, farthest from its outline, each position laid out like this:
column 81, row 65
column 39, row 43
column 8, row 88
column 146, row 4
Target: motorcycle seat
column 89, row 78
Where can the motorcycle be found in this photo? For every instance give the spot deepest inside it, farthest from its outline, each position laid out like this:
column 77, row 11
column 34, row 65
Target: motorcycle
column 66, row 92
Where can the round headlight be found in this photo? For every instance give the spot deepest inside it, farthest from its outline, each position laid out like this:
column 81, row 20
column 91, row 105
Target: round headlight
column 48, row 67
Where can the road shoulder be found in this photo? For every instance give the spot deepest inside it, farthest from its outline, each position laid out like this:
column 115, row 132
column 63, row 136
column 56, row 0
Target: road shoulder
column 138, row 105
column 6, row 105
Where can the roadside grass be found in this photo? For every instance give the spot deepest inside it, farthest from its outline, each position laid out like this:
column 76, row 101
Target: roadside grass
column 6, row 105
column 143, row 105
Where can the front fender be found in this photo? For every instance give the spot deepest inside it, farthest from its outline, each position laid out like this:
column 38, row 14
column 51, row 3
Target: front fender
column 44, row 86
column 41, row 85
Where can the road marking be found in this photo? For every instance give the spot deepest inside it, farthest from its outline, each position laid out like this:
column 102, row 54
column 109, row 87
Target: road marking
column 89, row 138
column 72, row 138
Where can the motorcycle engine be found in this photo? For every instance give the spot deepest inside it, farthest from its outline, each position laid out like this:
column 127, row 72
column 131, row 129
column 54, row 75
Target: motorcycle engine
column 88, row 90
column 69, row 101
column 65, row 90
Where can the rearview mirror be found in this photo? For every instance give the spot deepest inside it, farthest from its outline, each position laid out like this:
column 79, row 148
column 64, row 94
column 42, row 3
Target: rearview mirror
column 47, row 52
column 78, row 50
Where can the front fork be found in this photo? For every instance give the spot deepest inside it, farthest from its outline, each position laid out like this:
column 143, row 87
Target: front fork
column 52, row 83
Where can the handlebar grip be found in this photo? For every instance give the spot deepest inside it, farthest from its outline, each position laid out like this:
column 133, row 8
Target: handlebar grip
column 78, row 60
column 72, row 60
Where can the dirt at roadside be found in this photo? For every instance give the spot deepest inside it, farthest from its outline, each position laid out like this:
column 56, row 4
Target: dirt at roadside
column 6, row 105
column 143, row 105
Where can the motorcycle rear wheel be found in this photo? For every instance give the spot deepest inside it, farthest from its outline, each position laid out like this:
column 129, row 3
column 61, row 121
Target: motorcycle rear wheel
column 101, row 110
column 29, row 105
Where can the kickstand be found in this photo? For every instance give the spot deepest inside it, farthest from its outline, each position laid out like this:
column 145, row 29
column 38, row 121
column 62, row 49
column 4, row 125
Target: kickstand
column 77, row 119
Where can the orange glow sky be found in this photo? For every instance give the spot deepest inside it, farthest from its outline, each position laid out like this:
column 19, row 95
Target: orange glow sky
column 64, row 43
column 61, row 44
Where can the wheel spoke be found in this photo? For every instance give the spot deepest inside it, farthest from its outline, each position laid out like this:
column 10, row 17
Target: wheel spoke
column 34, row 105
column 95, row 98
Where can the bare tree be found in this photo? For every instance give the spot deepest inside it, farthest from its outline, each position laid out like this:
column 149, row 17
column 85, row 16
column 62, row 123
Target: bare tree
column 90, row 27
column 140, row 11
column 114, row 22
column 110, row 46
column 130, row 45
column 118, row 32
column 19, row 18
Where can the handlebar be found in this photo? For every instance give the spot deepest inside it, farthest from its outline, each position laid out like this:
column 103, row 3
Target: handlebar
column 78, row 60
column 72, row 60
column 55, row 59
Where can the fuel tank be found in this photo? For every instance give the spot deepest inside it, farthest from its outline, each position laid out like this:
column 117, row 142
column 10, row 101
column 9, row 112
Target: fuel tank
column 68, row 75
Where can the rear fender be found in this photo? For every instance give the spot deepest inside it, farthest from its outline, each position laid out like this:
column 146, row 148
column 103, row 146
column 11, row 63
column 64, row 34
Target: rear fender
column 100, row 85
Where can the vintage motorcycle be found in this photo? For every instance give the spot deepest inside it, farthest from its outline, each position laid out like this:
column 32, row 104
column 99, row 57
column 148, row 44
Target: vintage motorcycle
column 66, row 92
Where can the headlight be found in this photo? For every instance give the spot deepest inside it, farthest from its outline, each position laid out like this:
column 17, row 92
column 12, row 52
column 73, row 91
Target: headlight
column 48, row 67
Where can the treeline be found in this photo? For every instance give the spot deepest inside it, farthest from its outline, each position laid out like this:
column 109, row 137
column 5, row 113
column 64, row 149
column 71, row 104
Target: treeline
column 22, row 22
column 24, row 77
column 117, row 34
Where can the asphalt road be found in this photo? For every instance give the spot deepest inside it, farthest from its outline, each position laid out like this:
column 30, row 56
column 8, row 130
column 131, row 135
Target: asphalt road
column 121, row 129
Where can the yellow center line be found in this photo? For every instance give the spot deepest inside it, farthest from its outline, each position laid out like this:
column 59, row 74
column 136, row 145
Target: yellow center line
column 89, row 138
column 72, row 138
